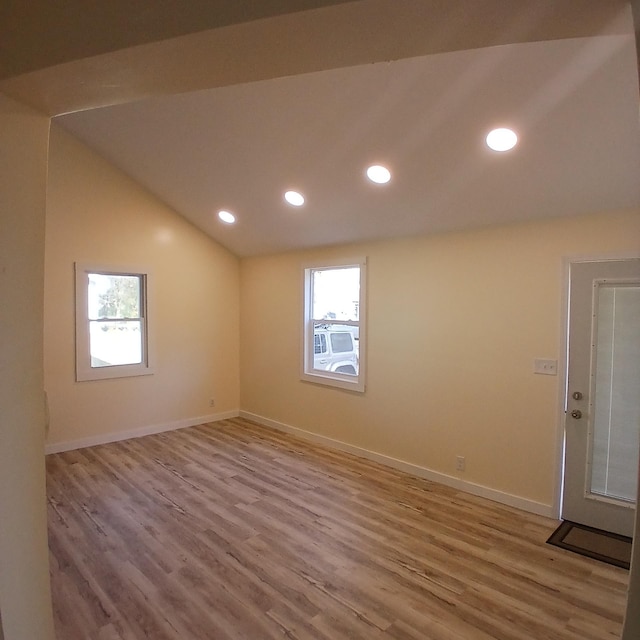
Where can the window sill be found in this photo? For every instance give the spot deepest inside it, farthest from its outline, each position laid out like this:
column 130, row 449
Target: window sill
column 335, row 380
column 115, row 371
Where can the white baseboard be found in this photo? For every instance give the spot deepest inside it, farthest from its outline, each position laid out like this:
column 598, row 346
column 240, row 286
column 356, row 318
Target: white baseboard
column 105, row 438
column 422, row 472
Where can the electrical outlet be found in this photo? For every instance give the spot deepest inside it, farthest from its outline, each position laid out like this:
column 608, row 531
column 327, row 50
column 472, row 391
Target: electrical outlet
column 212, row 403
column 546, row 367
column 460, row 465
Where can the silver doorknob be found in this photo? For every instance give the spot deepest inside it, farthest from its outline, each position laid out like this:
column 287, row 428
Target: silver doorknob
column 577, row 414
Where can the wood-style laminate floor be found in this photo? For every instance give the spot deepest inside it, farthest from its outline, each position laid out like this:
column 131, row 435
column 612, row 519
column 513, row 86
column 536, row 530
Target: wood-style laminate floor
column 232, row 530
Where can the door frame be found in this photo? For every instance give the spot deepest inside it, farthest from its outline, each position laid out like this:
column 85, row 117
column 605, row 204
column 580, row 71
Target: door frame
column 563, row 361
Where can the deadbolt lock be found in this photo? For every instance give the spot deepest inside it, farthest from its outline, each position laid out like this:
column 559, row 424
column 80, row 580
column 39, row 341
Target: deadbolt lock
column 576, row 395
column 576, row 414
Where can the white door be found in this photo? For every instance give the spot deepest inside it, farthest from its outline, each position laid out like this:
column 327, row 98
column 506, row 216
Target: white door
column 603, row 395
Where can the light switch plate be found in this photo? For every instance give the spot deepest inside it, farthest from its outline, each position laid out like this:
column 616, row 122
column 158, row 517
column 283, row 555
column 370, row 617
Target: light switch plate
column 545, row 366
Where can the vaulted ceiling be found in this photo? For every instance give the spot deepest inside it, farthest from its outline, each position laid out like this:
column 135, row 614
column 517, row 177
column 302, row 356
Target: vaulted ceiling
column 229, row 110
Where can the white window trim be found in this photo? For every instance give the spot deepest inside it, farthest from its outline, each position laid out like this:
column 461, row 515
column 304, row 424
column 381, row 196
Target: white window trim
column 84, row 370
column 329, row 378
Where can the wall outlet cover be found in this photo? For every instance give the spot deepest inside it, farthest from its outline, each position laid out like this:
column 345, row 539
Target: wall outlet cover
column 545, row 366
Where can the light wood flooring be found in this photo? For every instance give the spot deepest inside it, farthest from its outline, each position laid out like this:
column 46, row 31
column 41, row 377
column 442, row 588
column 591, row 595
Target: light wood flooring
column 232, row 530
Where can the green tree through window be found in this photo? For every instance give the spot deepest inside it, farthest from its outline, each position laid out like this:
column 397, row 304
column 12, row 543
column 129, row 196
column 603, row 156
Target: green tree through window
column 121, row 299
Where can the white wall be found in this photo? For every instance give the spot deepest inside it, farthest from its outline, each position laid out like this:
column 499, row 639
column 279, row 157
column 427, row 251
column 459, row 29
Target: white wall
column 24, row 577
column 97, row 215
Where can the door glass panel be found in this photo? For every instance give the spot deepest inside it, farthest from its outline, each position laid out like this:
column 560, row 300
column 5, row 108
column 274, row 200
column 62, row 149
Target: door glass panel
column 615, row 433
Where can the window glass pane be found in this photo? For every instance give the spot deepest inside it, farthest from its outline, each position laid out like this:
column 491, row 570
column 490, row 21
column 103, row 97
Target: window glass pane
column 341, row 342
column 113, row 296
column 336, row 294
column 339, row 350
column 332, row 326
column 115, row 342
column 112, row 330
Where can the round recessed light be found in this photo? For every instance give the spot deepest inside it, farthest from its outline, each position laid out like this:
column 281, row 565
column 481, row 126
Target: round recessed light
column 378, row 174
column 226, row 216
column 501, row 139
column 294, row 198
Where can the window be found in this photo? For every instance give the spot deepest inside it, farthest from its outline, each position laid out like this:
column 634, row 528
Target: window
column 112, row 329
column 334, row 328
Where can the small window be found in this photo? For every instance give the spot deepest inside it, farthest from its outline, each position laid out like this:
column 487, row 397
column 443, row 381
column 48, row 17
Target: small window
column 333, row 345
column 112, row 329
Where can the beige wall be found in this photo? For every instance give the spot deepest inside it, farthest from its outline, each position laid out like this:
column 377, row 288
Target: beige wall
column 96, row 214
column 455, row 321
column 24, row 576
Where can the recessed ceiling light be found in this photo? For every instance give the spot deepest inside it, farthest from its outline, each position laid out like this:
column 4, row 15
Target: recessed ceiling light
column 501, row 139
column 226, row 216
column 294, row 198
column 378, row 174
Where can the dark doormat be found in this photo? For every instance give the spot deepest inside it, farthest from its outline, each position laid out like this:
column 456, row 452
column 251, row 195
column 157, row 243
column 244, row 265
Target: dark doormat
column 593, row 543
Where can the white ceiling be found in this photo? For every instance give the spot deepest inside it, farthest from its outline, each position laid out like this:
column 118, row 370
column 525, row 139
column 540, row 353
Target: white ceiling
column 574, row 103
